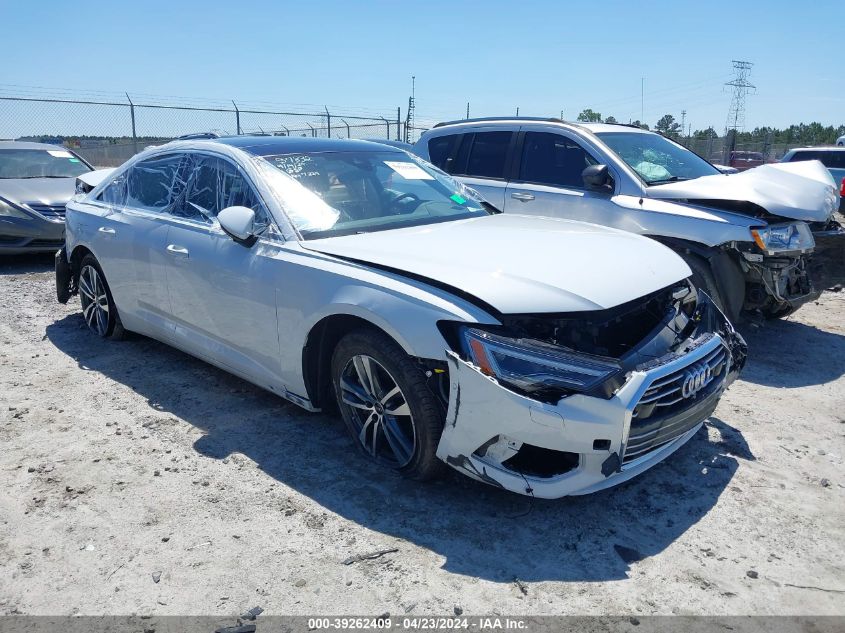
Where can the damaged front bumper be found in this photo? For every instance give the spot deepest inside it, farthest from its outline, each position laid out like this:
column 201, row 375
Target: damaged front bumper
column 583, row 443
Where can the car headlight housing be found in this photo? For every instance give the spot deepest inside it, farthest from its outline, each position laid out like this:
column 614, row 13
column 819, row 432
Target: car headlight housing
column 780, row 238
column 11, row 211
column 538, row 369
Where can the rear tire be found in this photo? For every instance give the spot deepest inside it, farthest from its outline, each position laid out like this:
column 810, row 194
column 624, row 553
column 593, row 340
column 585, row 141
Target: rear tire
column 390, row 412
column 98, row 307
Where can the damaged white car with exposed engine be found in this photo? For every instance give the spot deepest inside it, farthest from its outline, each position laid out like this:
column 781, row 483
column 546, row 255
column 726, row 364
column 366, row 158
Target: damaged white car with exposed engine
column 761, row 242
column 543, row 356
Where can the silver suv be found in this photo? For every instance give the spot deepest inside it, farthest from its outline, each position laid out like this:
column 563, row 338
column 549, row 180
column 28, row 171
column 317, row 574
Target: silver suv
column 747, row 237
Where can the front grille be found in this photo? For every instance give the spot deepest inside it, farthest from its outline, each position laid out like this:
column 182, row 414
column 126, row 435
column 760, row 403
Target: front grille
column 50, row 211
column 659, row 415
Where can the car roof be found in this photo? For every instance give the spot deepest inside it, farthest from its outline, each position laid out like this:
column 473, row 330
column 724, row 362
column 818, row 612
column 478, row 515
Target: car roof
column 824, row 148
column 598, row 128
column 28, row 145
column 268, row 145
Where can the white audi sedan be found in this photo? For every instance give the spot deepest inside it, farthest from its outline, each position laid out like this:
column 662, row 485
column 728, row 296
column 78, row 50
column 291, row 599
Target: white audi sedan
column 543, row 356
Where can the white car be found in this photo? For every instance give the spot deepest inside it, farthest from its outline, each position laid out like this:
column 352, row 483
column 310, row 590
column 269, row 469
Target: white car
column 547, row 357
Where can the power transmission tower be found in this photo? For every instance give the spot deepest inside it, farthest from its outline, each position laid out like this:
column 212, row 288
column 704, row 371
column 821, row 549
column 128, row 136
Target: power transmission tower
column 741, row 87
column 736, row 113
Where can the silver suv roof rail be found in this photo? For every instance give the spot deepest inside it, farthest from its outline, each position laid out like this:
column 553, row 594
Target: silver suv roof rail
column 505, row 118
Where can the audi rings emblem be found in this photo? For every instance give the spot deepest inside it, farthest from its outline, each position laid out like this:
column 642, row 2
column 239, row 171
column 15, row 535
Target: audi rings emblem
column 695, row 379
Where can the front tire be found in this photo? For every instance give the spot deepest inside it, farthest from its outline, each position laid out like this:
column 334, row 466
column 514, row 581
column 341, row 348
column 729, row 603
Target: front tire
column 98, row 307
column 382, row 394
column 702, row 278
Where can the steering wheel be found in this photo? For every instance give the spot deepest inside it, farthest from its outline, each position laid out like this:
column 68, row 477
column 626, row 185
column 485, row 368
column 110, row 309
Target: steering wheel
column 402, row 196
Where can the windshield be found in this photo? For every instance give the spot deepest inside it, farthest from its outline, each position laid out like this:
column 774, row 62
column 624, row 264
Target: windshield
column 657, row 159
column 357, row 192
column 40, row 163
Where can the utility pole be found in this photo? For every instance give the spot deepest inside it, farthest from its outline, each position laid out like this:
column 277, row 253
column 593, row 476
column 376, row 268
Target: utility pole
column 517, row 110
column 736, row 113
column 683, row 121
column 409, row 120
column 642, row 99
column 467, row 109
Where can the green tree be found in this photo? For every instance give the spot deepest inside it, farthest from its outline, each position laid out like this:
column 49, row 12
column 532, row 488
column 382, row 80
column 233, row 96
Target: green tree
column 639, row 124
column 668, row 126
column 588, row 116
column 706, row 134
column 611, row 119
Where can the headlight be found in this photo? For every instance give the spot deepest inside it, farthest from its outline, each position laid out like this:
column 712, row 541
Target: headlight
column 11, row 211
column 778, row 238
column 533, row 367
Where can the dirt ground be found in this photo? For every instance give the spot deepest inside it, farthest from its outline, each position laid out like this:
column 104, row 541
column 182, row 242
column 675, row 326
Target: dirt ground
column 136, row 479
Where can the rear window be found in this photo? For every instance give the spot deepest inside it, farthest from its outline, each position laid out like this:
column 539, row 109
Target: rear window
column 830, row 159
column 483, row 155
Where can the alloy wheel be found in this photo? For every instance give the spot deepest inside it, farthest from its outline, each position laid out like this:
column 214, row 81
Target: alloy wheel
column 95, row 301
column 379, row 410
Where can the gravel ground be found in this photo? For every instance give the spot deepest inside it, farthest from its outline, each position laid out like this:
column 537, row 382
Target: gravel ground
column 137, row 479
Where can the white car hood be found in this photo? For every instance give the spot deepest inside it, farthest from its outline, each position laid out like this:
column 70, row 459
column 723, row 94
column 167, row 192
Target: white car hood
column 521, row 264
column 801, row 191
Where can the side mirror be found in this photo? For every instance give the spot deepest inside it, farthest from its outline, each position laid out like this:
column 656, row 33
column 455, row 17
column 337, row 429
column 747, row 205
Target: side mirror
column 596, row 177
column 239, row 224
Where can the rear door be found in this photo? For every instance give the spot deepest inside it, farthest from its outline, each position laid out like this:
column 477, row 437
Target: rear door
column 479, row 158
column 129, row 241
column 222, row 293
column 548, row 180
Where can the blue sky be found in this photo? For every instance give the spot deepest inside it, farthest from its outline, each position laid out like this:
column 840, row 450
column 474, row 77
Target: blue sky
column 542, row 57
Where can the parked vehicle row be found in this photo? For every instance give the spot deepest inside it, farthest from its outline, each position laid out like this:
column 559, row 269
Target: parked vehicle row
column 747, row 237
column 495, row 311
column 541, row 355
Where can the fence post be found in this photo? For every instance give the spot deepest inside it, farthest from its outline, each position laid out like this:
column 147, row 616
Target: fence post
column 237, row 117
column 398, row 121
column 329, row 122
column 348, row 131
column 313, row 131
column 132, row 114
column 387, row 123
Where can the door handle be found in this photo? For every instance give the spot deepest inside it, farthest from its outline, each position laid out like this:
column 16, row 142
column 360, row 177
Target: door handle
column 522, row 197
column 106, row 230
column 178, row 251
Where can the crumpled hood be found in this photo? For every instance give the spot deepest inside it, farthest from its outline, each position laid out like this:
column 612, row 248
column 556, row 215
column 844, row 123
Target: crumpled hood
column 801, row 191
column 521, row 264
column 47, row 191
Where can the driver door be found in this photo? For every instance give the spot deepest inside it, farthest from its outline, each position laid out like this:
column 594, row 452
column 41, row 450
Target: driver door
column 548, row 180
column 222, row 293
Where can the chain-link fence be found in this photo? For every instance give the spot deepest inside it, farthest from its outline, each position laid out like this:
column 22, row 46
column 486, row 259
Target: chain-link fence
column 718, row 149
column 107, row 133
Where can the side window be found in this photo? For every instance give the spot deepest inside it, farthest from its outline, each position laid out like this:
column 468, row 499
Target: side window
column 214, row 184
column 115, row 193
column 800, row 156
column 440, row 150
column 149, row 183
column 552, row 159
column 483, row 154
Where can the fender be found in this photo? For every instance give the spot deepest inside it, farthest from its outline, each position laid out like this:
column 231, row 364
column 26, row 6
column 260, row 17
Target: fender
column 726, row 271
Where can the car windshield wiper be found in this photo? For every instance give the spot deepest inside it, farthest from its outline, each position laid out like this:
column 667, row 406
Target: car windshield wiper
column 663, row 181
